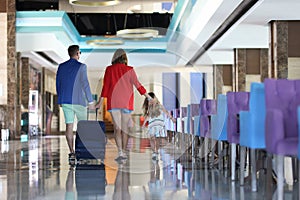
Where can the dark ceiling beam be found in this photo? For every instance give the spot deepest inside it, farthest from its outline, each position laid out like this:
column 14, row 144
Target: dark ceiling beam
column 242, row 9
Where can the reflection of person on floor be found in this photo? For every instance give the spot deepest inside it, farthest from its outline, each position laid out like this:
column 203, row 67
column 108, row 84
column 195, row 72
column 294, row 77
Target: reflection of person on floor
column 156, row 186
column 70, row 194
column 49, row 115
column 48, row 151
column 121, row 191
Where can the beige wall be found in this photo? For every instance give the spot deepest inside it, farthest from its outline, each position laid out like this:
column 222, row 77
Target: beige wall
column 294, row 68
column 3, row 59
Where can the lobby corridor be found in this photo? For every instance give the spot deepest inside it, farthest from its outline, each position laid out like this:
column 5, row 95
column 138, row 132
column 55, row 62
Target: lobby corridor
column 39, row 169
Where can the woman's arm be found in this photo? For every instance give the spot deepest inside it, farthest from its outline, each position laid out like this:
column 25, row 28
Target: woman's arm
column 99, row 103
column 146, row 119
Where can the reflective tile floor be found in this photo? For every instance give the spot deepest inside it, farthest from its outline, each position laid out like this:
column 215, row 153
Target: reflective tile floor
column 39, row 169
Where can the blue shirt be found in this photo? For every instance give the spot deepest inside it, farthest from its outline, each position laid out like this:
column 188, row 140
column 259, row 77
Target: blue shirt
column 72, row 85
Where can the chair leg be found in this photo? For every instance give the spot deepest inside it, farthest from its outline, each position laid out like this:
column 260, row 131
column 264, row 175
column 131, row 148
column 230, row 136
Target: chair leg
column 213, row 148
column 206, row 151
column 242, row 166
column 253, row 170
column 193, row 146
column 298, row 178
column 233, row 159
column 220, row 156
column 295, row 167
column 280, row 177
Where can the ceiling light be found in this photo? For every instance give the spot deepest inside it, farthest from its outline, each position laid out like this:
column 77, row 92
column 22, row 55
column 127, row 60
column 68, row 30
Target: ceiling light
column 104, row 42
column 94, row 2
column 137, row 34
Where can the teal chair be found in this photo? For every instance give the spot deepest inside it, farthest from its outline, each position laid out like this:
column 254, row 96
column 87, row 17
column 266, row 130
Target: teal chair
column 252, row 129
column 219, row 126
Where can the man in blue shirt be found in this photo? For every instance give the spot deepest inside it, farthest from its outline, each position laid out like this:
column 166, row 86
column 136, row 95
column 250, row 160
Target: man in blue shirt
column 74, row 93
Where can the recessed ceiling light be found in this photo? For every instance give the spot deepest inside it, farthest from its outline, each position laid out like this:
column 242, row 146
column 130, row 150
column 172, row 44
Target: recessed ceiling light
column 99, row 42
column 94, row 2
column 137, row 34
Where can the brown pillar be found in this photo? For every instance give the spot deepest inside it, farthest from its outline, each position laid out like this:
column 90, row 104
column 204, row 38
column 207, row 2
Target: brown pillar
column 25, row 81
column 223, row 78
column 285, row 49
column 278, row 49
column 264, row 67
column 218, row 80
column 239, row 69
column 250, row 62
column 9, row 105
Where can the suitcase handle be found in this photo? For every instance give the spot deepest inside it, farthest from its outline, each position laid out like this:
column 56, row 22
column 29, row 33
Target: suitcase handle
column 96, row 110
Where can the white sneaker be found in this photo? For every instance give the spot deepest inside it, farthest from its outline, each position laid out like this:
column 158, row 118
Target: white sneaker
column 155, row 156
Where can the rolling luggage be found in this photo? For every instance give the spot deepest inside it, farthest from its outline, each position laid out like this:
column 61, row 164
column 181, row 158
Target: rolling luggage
column 90, row 181
column 90, row 140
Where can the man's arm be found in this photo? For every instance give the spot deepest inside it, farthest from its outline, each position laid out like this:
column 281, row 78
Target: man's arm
column 86, row 87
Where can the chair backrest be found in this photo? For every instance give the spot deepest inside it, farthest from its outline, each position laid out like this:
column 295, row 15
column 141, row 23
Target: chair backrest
column 237, row 101
column 252, row 122
column 284, row 95
column 194, row 109
column 219, row 123
column 257, row 104
column 183, row 112
column 208, row 106
column 176, row 113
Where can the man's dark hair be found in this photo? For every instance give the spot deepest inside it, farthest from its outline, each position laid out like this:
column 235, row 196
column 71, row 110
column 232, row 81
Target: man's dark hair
column 72, row 50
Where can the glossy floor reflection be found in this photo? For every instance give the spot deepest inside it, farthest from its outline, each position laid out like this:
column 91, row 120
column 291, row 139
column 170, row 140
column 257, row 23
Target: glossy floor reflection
column 39, row 169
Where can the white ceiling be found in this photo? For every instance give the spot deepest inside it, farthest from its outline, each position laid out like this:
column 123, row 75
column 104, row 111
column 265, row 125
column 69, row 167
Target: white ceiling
column 251, row 31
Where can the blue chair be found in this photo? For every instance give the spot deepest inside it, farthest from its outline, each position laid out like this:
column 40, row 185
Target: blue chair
column 252, row 129
column 219, row 125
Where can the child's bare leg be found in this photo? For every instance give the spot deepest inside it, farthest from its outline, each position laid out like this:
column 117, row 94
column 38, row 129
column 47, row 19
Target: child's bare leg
column 157, row 144
column 152, row 143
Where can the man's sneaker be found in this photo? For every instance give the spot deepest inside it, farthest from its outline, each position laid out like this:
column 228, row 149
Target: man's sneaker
column 122, row 156
column 154, row 156
column 72, row 158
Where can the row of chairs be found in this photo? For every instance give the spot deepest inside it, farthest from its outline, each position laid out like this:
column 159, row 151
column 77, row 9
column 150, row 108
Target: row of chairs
column 265, row 118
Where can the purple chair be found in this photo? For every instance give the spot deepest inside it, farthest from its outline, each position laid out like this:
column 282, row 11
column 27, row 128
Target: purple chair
column 193, row 112
column 208, row 107
column 236, row 102
column 176, row 115
column 281, row 127
column 180, row 120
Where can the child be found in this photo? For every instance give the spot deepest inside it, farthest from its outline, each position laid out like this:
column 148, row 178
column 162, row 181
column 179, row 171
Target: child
column 154, row 115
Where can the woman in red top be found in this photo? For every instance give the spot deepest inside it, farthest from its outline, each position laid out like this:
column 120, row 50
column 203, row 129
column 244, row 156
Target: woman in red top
column 119, row 79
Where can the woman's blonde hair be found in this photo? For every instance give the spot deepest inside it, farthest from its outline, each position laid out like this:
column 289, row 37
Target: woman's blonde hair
column 119, row 57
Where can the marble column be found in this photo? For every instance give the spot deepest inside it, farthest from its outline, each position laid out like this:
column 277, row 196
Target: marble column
column 264, row 61
column 278, row 49
column 10, row 107
column 239, row 77
column 251, row 66
column 218, row 82
column 25, row 81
